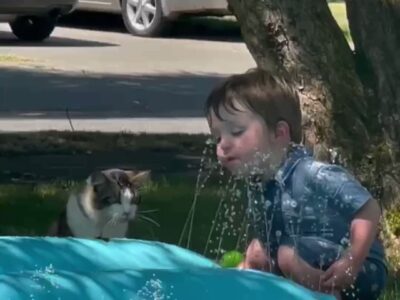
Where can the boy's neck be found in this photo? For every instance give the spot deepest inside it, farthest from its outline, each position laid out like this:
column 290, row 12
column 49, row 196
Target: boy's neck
column 281, row 157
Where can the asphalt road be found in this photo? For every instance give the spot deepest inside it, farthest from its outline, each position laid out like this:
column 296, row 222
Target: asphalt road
column 94, row 73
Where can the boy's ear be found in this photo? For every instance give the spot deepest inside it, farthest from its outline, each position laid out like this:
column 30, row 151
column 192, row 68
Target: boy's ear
column 282, row 131
column 139, row 178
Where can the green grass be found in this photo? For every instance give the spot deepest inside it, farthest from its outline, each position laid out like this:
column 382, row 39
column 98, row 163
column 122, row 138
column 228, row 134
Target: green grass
column 29, row 210
column 339, row 13
column 392, row 291
column 67, row 142
column 13, row 59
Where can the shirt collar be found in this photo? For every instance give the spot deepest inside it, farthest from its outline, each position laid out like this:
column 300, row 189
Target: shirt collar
column 295, row 153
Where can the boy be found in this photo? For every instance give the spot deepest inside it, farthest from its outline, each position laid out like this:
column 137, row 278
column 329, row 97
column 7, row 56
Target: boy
column 321, row 223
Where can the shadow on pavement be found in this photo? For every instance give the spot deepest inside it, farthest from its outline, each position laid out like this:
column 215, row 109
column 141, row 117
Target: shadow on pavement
column 7, row 39
column 197, row 28
column 46, row 93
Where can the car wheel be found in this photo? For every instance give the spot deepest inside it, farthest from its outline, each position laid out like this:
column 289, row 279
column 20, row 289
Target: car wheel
column 33, row 28
column 143, row 17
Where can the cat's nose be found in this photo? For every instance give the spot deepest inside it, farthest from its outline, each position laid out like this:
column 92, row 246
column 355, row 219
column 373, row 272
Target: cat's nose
column 125, row 215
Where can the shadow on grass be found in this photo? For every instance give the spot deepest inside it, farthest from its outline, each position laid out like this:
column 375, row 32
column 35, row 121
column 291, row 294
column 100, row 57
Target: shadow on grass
column 42, row 156
column 39, row 170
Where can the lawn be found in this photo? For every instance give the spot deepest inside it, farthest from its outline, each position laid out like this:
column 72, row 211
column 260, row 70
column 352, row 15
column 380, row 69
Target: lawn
column 29, row 209
column 40, row 169
column 13, row 59
column 338, row 10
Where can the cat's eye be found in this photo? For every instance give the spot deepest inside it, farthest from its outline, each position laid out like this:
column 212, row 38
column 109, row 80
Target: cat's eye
column 124, row 184
column 106, row 199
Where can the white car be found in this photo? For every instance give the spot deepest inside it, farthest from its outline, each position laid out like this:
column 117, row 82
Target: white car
column 149, row 17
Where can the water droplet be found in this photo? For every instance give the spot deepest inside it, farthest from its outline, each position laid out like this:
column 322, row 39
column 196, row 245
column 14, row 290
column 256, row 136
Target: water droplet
column 373, row 267
column 210, row 141
column 344, row 242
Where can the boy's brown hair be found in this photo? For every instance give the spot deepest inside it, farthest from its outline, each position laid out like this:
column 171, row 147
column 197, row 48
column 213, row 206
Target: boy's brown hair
column 274, row 100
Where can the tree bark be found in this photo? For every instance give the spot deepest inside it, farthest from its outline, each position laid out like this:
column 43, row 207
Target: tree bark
column 301, row 40
column 350, row 98
column 375, row 29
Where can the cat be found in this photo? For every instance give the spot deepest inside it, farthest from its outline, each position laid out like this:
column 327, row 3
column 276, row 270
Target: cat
column 104, row 207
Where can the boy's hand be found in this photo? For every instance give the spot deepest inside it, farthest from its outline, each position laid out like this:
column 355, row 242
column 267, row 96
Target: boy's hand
column 341, row 274
column 256, row 257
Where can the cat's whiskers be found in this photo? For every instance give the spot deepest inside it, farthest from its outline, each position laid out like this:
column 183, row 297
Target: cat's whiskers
column 149, row 211
column 148, row 219
column 113, row 220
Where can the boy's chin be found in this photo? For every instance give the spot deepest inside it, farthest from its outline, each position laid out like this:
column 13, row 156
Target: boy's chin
column 247, row 173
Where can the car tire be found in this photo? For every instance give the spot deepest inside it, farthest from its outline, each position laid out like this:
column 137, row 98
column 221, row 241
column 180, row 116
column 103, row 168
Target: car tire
column 33, row 28
column 136, row 12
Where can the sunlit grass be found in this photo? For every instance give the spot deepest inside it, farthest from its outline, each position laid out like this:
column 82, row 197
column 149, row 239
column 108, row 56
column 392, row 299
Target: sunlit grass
column 339, row 12
column 13, row 59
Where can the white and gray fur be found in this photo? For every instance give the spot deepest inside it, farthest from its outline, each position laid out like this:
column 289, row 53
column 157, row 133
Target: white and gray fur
column 104, row 207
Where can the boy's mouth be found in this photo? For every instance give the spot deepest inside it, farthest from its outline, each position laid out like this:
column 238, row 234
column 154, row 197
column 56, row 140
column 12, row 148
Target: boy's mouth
column 230, row 160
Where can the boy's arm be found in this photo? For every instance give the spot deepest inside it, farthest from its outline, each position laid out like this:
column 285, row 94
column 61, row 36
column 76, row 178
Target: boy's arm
column 363, row 231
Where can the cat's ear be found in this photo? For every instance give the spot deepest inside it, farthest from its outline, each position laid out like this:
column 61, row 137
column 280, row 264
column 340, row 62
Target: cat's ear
column 139, row 178
column 97, row 178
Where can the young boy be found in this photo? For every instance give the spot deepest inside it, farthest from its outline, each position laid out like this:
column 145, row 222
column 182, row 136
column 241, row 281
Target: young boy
column 321, row 223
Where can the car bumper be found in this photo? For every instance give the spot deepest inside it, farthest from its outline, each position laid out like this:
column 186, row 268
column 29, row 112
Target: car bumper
column 36, row 7
column 199, row 7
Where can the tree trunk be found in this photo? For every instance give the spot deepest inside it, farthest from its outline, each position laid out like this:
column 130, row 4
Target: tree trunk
column 300, row 40
column 375, row 28
column 303, row 40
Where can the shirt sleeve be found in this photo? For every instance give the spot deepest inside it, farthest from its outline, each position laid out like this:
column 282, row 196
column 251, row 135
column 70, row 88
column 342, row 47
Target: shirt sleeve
column 343, row 192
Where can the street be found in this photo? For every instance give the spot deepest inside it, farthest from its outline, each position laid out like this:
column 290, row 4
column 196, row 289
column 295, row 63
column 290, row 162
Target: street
column 88, row 72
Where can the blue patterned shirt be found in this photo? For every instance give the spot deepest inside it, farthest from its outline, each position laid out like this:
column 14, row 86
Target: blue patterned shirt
column 308, row 198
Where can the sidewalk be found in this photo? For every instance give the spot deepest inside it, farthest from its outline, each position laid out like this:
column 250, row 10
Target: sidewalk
column 133, row 125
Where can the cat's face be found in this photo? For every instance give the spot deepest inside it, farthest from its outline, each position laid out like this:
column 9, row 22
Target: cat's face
column 116, row 193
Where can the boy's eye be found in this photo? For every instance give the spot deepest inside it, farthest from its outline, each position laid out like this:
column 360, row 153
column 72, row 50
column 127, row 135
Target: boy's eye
column 237, row 132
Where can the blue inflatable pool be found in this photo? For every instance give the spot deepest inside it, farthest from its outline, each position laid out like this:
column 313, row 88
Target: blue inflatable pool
column 55, row 268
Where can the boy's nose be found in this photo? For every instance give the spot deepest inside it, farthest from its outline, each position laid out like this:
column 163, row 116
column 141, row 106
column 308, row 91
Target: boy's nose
column 225, row 145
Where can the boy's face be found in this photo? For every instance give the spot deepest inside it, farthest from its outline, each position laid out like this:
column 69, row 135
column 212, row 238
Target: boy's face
column 245, row 145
